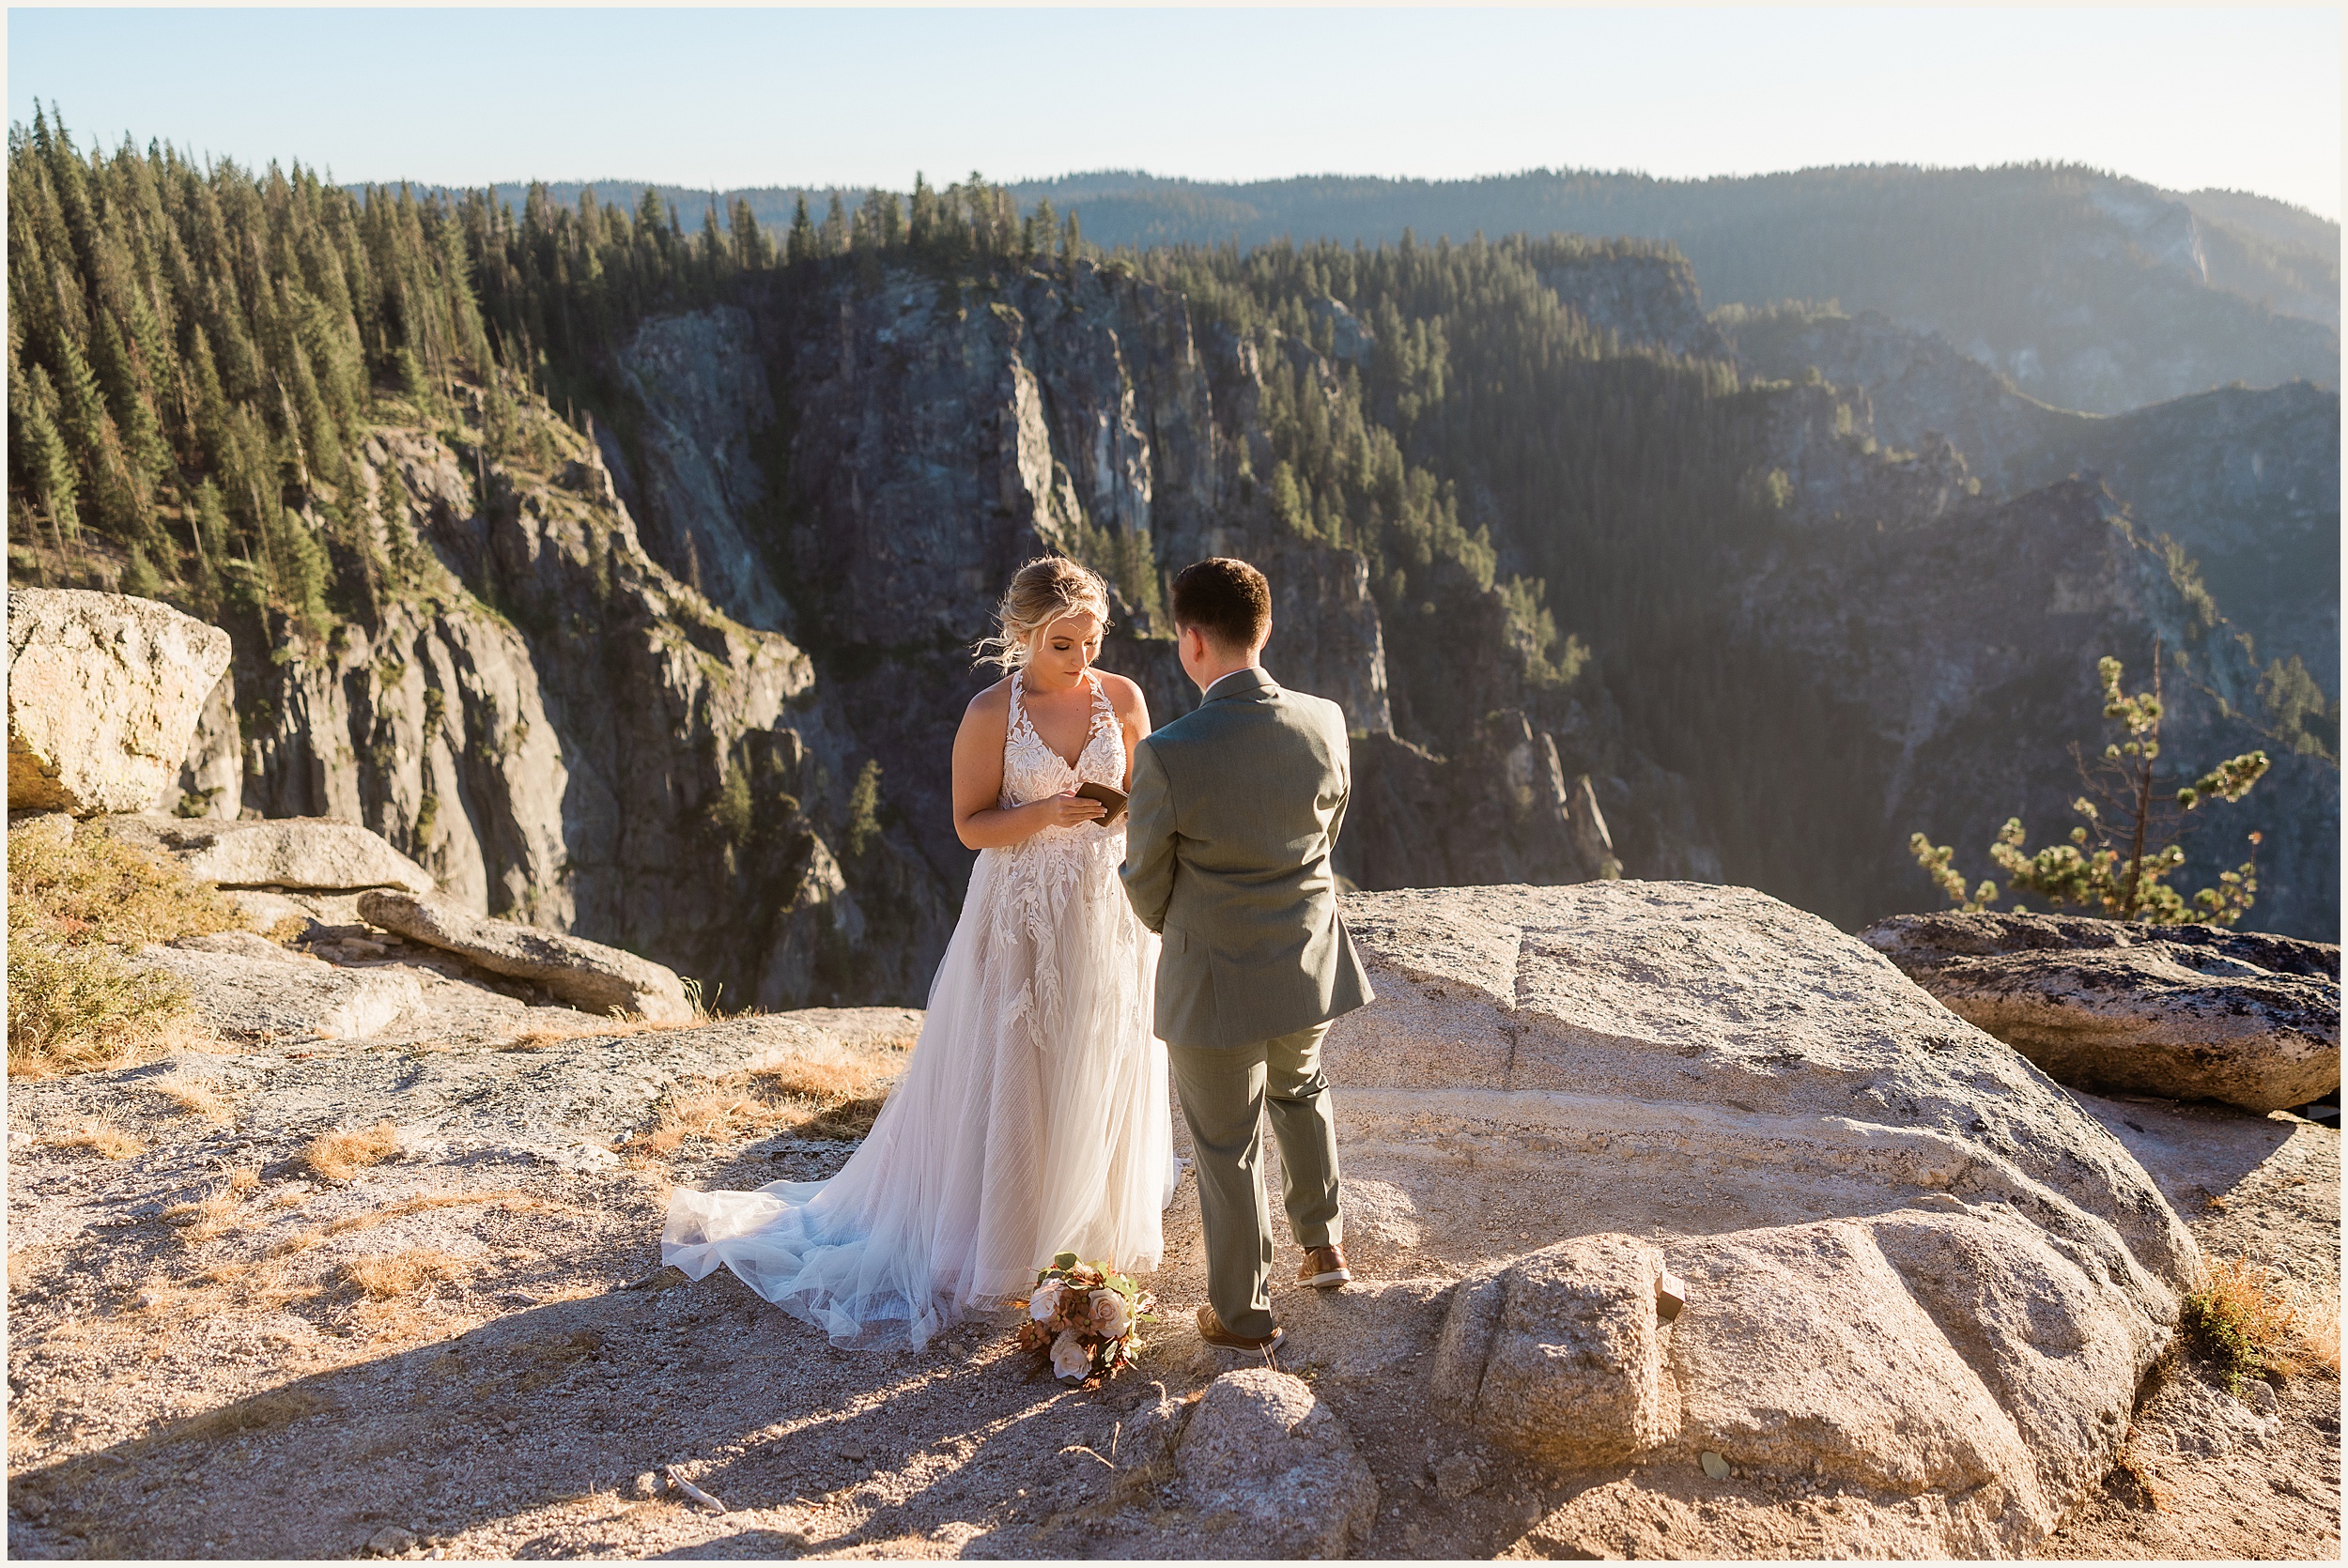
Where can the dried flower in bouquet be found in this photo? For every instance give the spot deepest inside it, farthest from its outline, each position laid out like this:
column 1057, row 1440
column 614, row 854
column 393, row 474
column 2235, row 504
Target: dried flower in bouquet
column 1085, row 1318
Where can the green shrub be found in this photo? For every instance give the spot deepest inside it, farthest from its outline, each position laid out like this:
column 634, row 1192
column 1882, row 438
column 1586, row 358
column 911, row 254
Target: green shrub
column 77, row 908
column 71, row 1009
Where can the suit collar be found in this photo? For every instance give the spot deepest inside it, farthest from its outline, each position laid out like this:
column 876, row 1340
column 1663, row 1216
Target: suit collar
column 1238, row 683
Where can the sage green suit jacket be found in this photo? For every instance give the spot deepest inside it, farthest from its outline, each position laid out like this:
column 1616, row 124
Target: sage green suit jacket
column 1235, row 808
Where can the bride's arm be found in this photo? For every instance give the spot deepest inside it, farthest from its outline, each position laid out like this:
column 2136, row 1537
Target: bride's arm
column 980, row 819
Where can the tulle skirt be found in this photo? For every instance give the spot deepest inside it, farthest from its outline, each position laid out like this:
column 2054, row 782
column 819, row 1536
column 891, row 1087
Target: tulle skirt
column 1032, row 1119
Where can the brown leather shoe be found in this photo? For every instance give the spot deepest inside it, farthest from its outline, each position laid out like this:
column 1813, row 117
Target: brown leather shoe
column 1323, row 1269
column 1211, row 1328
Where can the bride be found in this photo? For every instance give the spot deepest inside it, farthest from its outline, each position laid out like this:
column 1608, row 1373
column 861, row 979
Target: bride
column 1034, row 1118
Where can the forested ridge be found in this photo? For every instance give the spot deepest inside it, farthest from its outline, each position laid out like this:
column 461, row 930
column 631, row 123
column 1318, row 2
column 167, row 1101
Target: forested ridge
column 2093, row 291
column 192, row 355
column 196, row 352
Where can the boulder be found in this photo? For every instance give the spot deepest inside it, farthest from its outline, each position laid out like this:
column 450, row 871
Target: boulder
column 1917, row 1271
column 2188, row 1012
column 104, row 695
column 298, row 854
column 251, row 989
column 1557, row 1356
column 1273, row 1472
column 587, row 975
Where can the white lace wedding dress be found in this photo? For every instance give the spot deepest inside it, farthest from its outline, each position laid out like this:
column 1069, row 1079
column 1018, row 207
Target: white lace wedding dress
column 1032, row 1118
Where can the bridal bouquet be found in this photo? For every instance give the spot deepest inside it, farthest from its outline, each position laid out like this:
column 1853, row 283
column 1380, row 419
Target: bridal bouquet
column 1085, row 1318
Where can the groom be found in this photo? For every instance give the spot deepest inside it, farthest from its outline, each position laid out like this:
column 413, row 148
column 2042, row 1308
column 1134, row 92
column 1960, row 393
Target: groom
column 1235, row 808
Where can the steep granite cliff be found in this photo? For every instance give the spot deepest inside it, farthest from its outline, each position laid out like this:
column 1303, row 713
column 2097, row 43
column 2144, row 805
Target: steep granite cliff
column 569, row 735
column 928, row 437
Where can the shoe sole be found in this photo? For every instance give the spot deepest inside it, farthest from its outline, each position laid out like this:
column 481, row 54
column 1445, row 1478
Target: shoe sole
column 1331, row 1280
column 1245, row 1347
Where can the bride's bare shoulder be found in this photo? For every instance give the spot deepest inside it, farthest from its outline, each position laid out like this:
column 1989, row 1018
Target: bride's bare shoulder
column 1125, row 695
column 993, row 705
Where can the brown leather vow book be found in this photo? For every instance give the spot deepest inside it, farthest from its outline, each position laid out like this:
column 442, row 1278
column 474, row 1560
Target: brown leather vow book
column 1113, row 799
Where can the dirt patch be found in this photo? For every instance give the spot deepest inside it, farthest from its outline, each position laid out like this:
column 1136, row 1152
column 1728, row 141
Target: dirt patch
column 470, row 1346
column 2235, row 1448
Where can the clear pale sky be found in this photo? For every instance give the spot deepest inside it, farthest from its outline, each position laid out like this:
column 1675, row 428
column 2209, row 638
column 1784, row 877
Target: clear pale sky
column 2183, row 97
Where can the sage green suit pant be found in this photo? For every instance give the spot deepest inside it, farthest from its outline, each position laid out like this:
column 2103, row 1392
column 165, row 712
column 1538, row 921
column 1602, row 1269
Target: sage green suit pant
column 1225, row 1091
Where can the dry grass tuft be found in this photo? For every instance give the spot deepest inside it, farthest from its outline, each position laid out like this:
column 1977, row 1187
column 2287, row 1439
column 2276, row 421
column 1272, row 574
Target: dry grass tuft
column 541, row 1362
column 197, row 1096
column 340, row 1156
column 2252, row 1321
column 811, row 1098
column 244, row 1179
column 2319, row 1331
column 847, row 1121
column 389, row 1276
column 77, row 1010
column 257, row 1285
column 538, row 1036
column 103, row 1139
column 823, row 1083
column 257, row 1414
column 581, row 1345
column 513, row 1202
column 710, row 1113
column 201, row 1220
column 96, row 888
column 78, row 908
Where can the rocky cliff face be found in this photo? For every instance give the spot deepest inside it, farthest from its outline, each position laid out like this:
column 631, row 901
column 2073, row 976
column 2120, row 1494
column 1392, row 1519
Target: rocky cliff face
column 567, row 735
column 1642, row 294
column 926, row 439
column 747, row 780
column 2248, row 484
column 2247, row 480
column 1957, row 654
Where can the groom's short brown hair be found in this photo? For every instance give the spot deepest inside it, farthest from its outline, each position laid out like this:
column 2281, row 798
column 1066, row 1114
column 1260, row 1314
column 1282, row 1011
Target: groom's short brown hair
column 1228, row 600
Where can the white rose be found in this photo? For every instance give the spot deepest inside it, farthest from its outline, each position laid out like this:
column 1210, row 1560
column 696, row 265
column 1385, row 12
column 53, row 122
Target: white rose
column 1045, row 1301
column 1111, row 1317
column 1070, row 1359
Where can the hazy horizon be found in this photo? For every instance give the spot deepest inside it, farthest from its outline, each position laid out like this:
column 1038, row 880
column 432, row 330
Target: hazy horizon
column 2183, row 100
column 1027, row 181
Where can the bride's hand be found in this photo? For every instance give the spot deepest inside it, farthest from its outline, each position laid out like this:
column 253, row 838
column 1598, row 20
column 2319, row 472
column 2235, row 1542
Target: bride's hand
column 1068, row 809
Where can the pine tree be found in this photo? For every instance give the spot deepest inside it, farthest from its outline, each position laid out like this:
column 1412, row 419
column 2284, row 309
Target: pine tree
column 41, row 451
column 1042, row 228
column 800, row 244
column 923, row 215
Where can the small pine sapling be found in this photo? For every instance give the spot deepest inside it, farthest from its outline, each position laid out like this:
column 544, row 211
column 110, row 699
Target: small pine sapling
column 2121, row 855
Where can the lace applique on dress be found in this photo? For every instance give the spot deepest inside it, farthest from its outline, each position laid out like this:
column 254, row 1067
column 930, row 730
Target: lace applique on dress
column 1032, row 770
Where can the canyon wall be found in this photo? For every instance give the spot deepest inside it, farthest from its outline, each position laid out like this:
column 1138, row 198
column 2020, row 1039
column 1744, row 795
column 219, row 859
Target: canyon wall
column 691, row 687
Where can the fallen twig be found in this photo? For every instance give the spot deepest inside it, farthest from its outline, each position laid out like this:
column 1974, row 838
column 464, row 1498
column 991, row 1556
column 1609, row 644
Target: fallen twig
column 692, row 1491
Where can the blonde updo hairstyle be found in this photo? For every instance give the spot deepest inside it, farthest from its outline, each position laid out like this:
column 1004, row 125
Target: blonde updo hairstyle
column 1044, row 590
